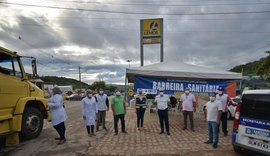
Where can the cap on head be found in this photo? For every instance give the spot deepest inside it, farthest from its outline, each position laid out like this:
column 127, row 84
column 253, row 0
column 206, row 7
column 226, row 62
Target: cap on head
column 161, row 90
column 56, row 90
column 220, row 89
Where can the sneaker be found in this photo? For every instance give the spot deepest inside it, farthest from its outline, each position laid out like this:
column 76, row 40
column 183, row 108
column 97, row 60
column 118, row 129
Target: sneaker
column 90, row 135
column 215, row 145
column 161, row 132
column 115, row 133
column 184, row 128
column 168, row 133
column 125, row 132
column 93, row 134
column 208, row 142
column 61, row 142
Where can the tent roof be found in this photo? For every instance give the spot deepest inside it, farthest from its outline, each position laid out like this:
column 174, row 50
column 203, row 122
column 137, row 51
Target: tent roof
column 182, row 71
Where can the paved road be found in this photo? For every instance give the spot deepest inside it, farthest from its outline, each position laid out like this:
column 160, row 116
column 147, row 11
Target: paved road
column 146, row 142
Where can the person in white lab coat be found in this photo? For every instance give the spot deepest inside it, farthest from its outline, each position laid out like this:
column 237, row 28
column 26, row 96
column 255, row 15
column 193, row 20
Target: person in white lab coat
column 89, row 111
column 58, row 113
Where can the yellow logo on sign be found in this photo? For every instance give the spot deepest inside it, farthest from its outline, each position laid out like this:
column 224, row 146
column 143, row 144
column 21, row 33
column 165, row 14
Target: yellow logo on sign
column 130, row 92
column 151, row 28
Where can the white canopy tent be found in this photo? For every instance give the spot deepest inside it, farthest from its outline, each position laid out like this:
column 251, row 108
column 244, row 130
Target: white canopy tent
column 177, row 70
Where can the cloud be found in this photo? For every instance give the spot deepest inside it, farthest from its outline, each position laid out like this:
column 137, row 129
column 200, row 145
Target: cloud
column 101, row 43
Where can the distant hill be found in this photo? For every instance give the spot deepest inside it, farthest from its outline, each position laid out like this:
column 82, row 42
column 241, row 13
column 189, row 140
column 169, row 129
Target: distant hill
column 62, row 81
column 249, row 69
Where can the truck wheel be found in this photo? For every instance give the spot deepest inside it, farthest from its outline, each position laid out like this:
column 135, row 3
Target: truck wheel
column 32, row 123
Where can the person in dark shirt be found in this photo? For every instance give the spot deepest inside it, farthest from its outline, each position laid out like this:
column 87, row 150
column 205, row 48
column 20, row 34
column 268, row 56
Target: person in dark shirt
column 140, row 100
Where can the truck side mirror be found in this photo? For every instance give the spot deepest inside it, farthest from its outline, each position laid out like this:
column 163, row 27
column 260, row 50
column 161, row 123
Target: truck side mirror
column 34, row 67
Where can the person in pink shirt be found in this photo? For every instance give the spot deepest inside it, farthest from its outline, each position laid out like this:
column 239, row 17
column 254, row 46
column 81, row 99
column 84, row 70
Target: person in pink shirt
column 188, row 106
column 225, row 102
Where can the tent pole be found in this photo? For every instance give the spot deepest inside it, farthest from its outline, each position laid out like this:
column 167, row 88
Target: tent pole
column 125, row 87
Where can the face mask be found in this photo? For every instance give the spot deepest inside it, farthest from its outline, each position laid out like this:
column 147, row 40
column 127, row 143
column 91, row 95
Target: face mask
column 220, row 92
column 118, row 93
column 161, row 93
column 186, row 91
column 100, row 92
column 212, row 98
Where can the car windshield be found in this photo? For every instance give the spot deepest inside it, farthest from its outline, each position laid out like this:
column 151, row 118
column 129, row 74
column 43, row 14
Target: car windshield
column 236, row 100
column 256, row 106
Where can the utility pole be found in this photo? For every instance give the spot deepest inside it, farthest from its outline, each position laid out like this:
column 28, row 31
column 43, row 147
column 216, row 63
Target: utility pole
column 129, row 63
column 80, row 79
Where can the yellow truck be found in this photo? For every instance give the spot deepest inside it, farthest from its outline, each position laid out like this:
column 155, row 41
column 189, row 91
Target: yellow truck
column 22, row 104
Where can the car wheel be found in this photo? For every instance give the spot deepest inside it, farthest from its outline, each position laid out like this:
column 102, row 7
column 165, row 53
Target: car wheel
column 32, row 123
column 237, row 149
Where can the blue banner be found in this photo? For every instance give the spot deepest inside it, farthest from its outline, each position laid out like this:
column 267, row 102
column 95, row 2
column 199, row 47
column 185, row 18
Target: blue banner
column 151, row 85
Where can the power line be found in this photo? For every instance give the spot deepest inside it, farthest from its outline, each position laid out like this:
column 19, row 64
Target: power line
column 137, row 13
column 132, row 19
column 159, row 4
column 32, row 46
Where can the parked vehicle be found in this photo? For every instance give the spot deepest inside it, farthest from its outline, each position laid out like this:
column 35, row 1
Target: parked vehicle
column 251, row 128
column 23, row 106
column 232, row 108
column 74, row 97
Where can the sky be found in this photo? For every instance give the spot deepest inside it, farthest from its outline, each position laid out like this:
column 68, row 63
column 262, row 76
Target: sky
column 99, row 36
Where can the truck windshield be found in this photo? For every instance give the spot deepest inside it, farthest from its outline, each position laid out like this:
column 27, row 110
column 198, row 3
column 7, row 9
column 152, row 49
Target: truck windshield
column 9, row 66
column 256, row 106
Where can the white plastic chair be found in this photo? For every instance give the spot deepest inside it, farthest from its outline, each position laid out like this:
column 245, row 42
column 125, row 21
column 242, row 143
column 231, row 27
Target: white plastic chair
column 175, row 110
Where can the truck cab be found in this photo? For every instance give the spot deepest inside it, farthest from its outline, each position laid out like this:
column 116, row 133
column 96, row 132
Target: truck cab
column 22, row 104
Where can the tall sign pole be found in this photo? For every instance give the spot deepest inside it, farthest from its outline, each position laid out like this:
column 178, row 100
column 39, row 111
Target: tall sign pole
column 151, row 33
column 161, row 41
column 141, row 23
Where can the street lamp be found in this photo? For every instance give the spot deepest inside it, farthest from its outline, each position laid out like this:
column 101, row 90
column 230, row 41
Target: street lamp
column 129, row 63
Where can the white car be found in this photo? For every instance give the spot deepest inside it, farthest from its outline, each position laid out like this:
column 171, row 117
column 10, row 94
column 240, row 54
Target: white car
column 232, row 108
column 251, row 127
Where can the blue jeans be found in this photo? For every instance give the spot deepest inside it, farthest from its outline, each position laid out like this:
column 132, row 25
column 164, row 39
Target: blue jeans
column 213, row 132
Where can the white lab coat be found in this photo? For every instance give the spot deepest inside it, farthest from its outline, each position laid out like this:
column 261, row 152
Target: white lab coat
column 57, row 110
column 89, row 110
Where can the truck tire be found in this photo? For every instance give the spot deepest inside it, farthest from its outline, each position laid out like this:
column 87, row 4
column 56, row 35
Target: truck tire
column 32, row 123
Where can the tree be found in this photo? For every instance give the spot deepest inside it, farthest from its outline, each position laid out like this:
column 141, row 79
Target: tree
column 97, row 84
column 264, row 68
column 111, row 88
